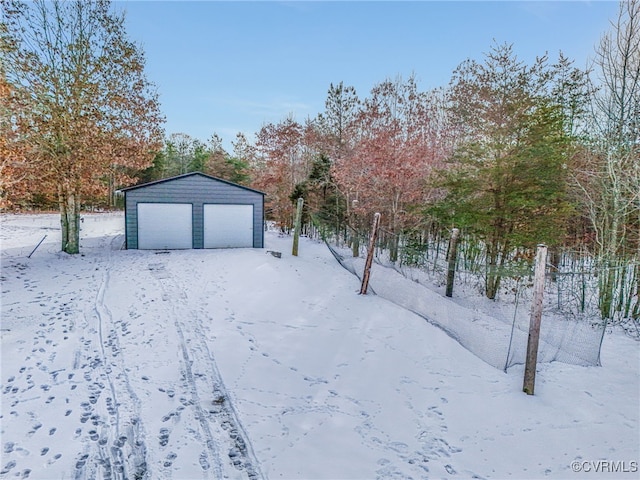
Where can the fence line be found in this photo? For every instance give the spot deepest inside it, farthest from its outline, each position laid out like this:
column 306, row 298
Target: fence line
column 496, row 331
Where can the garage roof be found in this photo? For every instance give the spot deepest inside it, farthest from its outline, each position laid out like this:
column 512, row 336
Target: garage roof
column 126, row 189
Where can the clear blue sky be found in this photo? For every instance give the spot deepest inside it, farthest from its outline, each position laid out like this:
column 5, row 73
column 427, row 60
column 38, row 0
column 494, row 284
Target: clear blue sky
column 226, row 67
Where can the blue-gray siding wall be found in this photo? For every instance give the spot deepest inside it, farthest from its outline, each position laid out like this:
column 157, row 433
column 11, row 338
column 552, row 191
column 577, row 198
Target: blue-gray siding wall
column 197, row 190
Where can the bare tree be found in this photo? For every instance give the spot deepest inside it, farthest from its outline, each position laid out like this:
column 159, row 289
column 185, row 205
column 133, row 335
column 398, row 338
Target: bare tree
column 609, row 180
column 336, row 123
column 179, row 148
column 93, row 116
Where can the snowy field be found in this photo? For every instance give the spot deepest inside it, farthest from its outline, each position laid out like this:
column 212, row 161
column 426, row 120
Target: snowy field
column 209, row 364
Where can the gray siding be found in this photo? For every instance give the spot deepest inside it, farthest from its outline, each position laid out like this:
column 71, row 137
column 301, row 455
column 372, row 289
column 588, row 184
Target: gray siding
column 198, row 190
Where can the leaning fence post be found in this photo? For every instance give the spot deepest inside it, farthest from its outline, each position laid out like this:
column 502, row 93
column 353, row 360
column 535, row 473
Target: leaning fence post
column 296, row 228
column 534, row 322
column 369, row 261
column 453, row 254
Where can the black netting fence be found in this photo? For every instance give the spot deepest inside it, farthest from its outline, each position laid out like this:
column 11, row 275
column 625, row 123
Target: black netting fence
column 496, row 330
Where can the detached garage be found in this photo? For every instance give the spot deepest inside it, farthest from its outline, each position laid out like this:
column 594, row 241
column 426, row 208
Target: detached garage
column 193, row 211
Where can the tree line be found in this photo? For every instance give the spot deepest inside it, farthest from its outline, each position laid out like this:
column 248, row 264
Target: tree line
column 512, row 153
column 491, row 154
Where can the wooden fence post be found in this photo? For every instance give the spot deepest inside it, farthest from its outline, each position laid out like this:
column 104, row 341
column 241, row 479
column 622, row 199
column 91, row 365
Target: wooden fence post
column 453, row 255
column 534, row 323
column 296, row 227
column 369, row 261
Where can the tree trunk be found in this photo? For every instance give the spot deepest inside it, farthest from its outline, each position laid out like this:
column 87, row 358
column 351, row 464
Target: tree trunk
column 355, row 244
column 492, row 282
column 393, row 247
column 69, row 202
column 556, row 258
column 607, row 277
column 496, row 259
column 492, row 278
column 372, row 245
column 635, row 313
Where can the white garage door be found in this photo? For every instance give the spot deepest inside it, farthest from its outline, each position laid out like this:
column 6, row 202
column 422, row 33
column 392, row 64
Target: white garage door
column 227, row 226
column 164, row 225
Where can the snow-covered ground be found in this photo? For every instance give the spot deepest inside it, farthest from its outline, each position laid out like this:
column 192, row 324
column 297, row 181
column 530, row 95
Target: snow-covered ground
column 237, row 364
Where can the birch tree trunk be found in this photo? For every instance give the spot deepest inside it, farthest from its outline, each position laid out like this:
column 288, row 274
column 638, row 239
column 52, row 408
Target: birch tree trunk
column 610, row 180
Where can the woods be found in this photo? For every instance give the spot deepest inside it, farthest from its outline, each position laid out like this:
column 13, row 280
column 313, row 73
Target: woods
column 512, row 153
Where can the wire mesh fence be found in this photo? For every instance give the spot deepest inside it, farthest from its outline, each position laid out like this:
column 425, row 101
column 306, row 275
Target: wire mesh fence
column 497, row 330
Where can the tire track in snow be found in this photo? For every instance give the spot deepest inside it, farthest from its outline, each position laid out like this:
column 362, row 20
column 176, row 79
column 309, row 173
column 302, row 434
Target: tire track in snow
column 196, row 353
column 212, row 448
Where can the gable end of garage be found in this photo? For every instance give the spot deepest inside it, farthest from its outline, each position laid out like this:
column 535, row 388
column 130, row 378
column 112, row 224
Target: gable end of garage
column 194, row 189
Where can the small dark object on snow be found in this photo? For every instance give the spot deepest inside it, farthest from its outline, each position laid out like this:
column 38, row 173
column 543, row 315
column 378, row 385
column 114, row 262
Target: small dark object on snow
column 275, row 254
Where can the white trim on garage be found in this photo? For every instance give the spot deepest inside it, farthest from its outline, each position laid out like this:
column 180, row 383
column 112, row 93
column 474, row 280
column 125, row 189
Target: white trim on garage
column 228, row 226
column 165, row 225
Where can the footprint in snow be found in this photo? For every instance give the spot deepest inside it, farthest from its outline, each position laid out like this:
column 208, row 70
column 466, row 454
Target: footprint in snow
column 399, row 447
column 204, row 463
column 82, row 461
column 35, row 428
column 169, row 460
column 164, row 437
column 8, row 467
